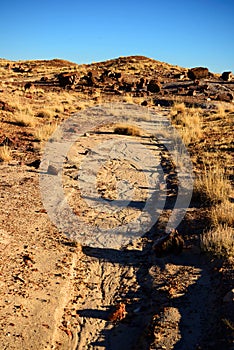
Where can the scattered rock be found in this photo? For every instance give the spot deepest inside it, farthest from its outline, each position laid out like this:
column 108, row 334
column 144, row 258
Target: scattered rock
column 198, row 73
column 119, row 313
column 35, row 164
column 5, row 107
column 52, row 170
column 172, row 243
column 28, row 86
column 154, row 86
column 18, row 70
column 226, row 76
column 67, row 79
column 179, row 76
column 163, row 324
column 225, row 96
column 44, row 79
column 141, row 84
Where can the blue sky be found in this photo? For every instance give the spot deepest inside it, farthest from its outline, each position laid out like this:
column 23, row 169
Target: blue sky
column 187, row 33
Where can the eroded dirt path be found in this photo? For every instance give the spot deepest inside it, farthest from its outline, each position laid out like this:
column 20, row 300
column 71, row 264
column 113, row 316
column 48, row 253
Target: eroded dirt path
column 57, row 295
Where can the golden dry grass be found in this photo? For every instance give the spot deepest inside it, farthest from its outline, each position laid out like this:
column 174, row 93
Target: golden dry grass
column 223, row 108
column 24, row 119
column 223, row 213
column 128, row 99
column 189, row 122
column 5, row 153
column 212, row 184
column 44, row 114
column 219, row 241
column 45, row 131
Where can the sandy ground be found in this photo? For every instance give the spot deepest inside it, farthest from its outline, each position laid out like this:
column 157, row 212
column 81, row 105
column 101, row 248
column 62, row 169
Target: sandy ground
column 57, row 295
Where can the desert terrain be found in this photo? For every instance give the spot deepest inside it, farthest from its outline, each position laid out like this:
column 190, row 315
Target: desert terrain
column 162, row 288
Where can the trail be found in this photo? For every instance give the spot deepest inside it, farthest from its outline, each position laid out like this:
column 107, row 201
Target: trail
column 60, row 294
column 170, row 301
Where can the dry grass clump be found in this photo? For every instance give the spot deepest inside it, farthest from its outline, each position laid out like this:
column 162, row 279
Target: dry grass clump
column 223, row 213
column 128, row 99
column 44, row 114
column 219, row 241
column 124, row 129
column 188, row 121
column 177, row 108
column 44, row 132
column 223, row 108
column 24, row 119
column 215, row 189
column 5, row 154
column 212, row 185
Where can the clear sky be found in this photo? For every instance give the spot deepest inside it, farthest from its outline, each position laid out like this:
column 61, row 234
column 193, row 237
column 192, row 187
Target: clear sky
column 183, row 32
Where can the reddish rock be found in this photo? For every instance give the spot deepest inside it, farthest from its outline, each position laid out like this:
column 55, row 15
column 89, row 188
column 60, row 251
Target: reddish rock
column 119, row 313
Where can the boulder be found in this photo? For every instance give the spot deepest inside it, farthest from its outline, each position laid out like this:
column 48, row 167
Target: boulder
column 226, row 76
column 28, row 86
column 179, row 76
column 67, row 79
column 198, row 73
column 109, row 74
column 154, row 86
column 44, row 79
column 140, row 84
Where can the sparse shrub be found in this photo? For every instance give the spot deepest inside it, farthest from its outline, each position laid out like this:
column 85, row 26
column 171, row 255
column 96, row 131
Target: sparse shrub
column 188, row 121
column 44, row 132
column 23, row 119
column 43, row 114
column 219, row 241
column 177, row 108
column 223, row 109
column 129, row 130
column 5, row 153
column 223, row 213
column 212, row 185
